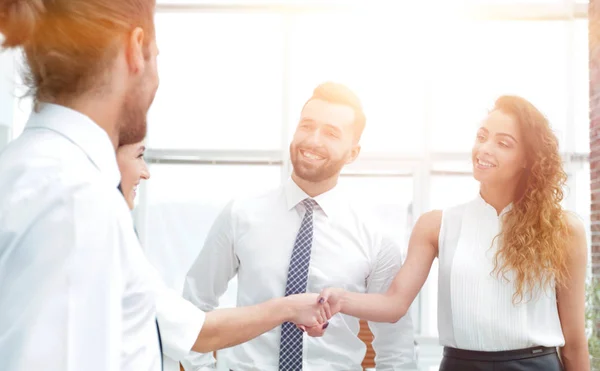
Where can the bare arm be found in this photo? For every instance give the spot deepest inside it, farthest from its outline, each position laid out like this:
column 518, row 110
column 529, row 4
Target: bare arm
column 393, row 343
column 225, row 328
column 393, row 305
column 571, row 302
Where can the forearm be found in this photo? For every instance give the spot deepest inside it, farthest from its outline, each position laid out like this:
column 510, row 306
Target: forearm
column 225, row 328
column 392, row 305
column 373, row 307
column 575, row 358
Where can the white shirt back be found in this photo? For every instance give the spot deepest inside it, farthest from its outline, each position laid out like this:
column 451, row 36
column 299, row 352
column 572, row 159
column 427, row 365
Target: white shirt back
column 75, row 288
column 254, row 239
column 476, row 311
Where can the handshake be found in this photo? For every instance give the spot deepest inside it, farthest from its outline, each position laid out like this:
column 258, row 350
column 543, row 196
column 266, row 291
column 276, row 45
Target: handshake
column 311, row 312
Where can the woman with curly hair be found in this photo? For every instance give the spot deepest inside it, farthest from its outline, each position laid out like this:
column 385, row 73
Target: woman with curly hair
column 512, row 262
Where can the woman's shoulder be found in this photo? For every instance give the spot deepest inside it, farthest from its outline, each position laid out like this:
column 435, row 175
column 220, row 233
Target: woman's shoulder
column 428, row 226
column 575, row 228
column 574, row 223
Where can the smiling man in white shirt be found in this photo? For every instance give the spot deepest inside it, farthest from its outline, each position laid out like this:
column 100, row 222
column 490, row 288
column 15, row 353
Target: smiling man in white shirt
column 76, row 291
column 304, row 236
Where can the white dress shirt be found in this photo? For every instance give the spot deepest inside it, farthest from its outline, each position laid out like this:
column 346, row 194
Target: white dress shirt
column 76, row 291
column 254, row 239
column 476, row 311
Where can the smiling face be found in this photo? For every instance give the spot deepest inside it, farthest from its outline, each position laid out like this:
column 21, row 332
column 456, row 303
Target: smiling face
column 324, row 141
column 498, row 155
column 133, row 168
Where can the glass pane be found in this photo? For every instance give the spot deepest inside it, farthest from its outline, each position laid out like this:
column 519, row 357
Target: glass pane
column 378, row 58
column 485, row 59
column 221, row 81
column 496, row 2
column 182, row 203
column 450, row 190
column 454, row 166
column 582, row 87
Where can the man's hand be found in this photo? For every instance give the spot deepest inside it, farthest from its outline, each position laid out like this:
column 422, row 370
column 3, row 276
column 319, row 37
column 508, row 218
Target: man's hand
column 332, row 300
column 315, row 331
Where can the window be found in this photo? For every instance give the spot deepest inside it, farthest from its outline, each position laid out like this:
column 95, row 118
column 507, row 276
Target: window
column 182, row 203
column 378, row 58
column 234, row 76
column 581, row 86
column 520, row 2
column 450, row 190
column 220, row 82
column 481, row 60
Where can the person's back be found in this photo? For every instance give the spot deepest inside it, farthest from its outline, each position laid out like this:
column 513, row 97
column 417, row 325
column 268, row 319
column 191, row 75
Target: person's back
column 75, row 292
column 66, row 300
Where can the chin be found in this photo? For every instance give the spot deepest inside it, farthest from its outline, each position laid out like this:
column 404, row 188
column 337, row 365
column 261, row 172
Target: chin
column 479, row 175
column 307, row 174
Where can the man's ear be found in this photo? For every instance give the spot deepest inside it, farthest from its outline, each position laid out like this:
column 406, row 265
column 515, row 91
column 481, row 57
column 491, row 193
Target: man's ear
column 354, row 154
column 135, row 50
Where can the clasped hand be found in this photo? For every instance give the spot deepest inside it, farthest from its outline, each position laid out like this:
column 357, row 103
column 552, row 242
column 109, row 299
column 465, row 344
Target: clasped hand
column 317, row 310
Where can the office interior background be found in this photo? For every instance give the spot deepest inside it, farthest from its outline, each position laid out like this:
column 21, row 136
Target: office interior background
column 235, row 75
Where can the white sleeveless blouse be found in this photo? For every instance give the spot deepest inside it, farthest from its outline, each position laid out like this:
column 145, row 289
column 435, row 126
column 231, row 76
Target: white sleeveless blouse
column 475, row 308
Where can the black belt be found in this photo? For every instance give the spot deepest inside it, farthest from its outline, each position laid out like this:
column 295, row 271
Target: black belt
column 507, row 355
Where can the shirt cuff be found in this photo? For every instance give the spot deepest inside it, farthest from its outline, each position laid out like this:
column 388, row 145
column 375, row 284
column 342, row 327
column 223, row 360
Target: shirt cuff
column 180, row 323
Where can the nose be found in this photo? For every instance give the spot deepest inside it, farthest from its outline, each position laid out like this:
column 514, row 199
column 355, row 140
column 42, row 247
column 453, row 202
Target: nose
column 314, row 139
column 145, row 172
column 486, row 147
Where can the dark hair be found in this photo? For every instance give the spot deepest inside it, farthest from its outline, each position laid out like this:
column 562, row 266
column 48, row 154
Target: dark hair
column 69, row 44
column 340, row 94
column 534, row 232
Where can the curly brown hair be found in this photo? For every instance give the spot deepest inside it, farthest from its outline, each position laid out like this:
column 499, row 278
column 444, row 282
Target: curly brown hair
column 534, row 232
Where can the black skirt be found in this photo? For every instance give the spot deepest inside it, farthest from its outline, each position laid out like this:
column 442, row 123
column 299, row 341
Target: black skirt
column 531, row 359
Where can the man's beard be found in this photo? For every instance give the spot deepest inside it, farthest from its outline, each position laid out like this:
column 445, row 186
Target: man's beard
column 312, row 174
column 133, row 120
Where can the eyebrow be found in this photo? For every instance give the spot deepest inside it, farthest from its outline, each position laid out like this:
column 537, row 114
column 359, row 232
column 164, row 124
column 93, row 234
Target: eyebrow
column 142, row 149
column 306, row 119
column 500, row 134
column 334, row 128
column 327, row 125
column 507, row 135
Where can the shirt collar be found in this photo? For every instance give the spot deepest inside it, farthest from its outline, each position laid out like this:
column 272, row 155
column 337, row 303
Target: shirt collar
column 483, row 203
column 83, row 132
column 328, row 201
